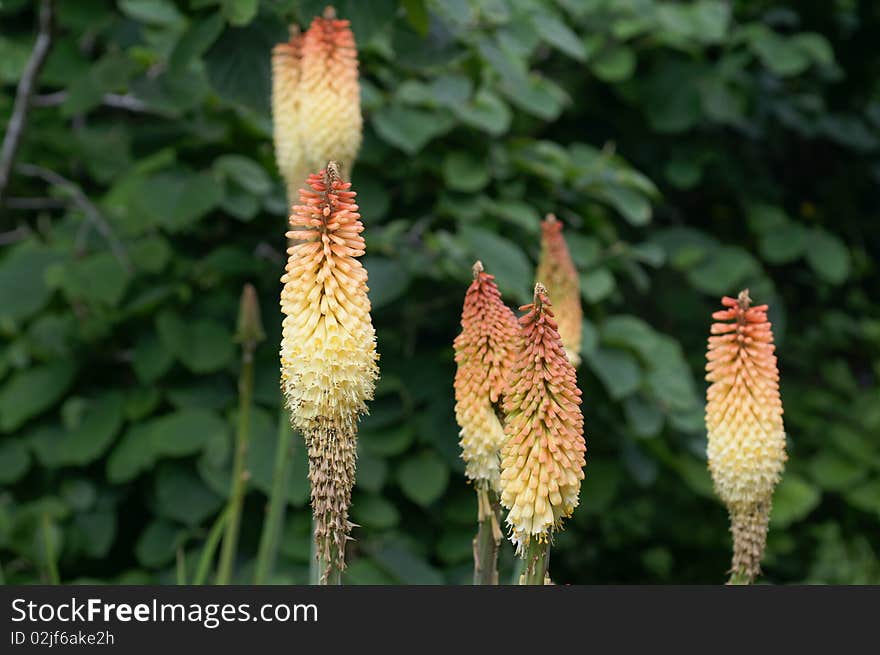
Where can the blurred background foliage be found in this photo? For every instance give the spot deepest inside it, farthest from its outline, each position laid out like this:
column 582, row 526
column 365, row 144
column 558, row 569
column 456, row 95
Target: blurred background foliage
column 691, row 148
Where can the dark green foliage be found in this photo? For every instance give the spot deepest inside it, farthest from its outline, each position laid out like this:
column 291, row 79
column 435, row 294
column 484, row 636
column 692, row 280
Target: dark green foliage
column 691, row 148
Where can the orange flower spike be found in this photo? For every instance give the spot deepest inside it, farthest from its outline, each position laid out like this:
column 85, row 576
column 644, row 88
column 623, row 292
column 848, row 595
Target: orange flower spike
column 286, row 73
column 543, row 458
column 746, row 436
column 328, row 348
column 331, row 120
column 484, row 353
column 557, row 271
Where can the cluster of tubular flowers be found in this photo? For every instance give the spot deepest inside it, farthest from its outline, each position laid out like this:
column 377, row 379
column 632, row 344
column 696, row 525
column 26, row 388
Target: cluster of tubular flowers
column 286, row 71
column 484, row 353
column 316, row 109
column 746, row 437
column 328, row 347
column 557, row 272
column 542, row 459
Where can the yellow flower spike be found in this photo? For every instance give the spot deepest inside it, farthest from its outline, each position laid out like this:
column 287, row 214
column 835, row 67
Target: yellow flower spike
column 746, row 436
column 543, row 458
column 328, row 348
column 330, row 105
column 484, row 354
column 557, row 271
column 289, row 153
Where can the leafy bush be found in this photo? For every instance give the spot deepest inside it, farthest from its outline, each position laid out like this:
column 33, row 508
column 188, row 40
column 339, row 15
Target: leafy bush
column 692, row 149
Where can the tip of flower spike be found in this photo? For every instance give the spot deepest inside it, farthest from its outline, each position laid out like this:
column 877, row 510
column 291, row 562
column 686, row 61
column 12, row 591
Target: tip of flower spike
column 540, row 297
column 477, row 268
column 550, row 218
column 250, row 325
column 743, row 299
column 331, row 172
column 329, row 12
column 294, row 32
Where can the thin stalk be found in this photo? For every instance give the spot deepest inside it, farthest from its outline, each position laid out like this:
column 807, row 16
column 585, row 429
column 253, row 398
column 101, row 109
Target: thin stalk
column 537, row 557
column 49, row 552
column 739, row 578
column 181, row 566
column 319, row 564
column 488, row 538
column 210, row 548
column 239, row 473
column 274, row 521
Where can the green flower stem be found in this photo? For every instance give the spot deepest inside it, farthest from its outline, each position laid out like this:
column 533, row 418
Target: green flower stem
column 274, row 522
column 239, row 473
column 488, row 539
column 536, row 557
column 318, row 564
column 210, row 548
column 739, row 578
column 51, row 563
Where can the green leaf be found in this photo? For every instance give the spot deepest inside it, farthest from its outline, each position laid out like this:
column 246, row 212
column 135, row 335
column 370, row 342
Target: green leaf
column 150, row 359
column 239, row 12
column 15, row 460
column 97, row 532
column 374, row 512
column 618, row 370
column 793, row 500
column 30, row 392
column 195, row 41
column 203, row 346
column 99, row 279
column 157, row 544
column 406, row 566
column 463, row 171
column 239, row 66
column 555, row 32
column 417, row 15
column 177, row 434
column 181, row 496
column 781, row 54
column 23, row 290
column 828, row 256
column 87, row 437
column 387, row 279
column 151, row 12
column 485, row 112
column 784, row 244
column 614, row 64
column 386, row 442
column 643, row 416
column 597, row 285
column 423, row 478
column 632, row 205
column 177, row 200
column 866, row 497
column 834, row 472
column 502, row 258
column 724, row 272
column 246, row 172
column 410, row 129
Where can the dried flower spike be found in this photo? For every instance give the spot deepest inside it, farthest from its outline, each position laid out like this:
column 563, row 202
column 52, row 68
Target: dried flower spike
column 330, row 109
column 328, row 347
column 556, row 270
column 484, row 354
column 289, row 152
column 746, row 437
column 543, row 458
